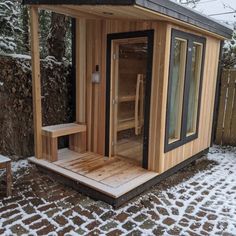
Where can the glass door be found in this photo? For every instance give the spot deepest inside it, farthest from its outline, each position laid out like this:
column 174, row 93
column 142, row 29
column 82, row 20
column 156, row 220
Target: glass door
column 128, row 86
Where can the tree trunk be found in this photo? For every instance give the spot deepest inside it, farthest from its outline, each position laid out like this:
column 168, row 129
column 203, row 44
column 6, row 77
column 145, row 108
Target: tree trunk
column 25, row 28
column 56, row 38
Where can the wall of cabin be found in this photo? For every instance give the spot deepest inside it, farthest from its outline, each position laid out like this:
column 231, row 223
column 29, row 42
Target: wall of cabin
column 96, row 40
column 93, row 45
column 178, row 155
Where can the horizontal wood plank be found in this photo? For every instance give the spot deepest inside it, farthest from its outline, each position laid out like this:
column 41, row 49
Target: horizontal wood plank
column 63, row 129
column 112, row 176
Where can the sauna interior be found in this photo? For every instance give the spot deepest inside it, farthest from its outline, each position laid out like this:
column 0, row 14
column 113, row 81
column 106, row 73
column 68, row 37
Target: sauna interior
column 130, row 99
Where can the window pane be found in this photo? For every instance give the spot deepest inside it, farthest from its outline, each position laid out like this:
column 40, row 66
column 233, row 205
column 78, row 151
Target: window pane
column 194, row 88
column 177, row 89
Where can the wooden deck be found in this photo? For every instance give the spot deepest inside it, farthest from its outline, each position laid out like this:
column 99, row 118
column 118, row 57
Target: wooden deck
column 113, row 177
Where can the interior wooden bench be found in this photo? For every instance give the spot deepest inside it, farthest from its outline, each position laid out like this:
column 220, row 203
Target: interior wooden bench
column 50, row 135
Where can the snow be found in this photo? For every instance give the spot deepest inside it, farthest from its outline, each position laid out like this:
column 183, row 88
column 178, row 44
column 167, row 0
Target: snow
column 16, row 166
column 17, row 56
column 219, row 180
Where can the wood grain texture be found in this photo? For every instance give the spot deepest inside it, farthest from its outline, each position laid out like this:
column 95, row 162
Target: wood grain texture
column 112, row 176
column 226, row 123
column 130, row 13
column 91, row 98
column 96, row 93
column 180, row 154
column 63, row 129
column 36, row 81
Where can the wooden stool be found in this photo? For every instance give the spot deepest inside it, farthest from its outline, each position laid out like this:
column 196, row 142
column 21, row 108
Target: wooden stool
column 50, row 134
column 5, row 163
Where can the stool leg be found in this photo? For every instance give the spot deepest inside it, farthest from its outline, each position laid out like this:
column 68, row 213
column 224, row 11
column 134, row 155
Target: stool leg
column 53, row 149
column 9, row 179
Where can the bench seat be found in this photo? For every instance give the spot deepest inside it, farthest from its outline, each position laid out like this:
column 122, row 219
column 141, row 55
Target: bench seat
column 50, row 135
column 55, row 131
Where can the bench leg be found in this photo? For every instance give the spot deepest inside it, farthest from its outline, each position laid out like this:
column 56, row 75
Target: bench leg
column 53, row 149
column 77, row 142
column 50, row 148
column 9, row 179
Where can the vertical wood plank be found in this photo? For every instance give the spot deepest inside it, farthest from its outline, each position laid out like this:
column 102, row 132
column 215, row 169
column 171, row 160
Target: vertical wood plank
column 89, row 66
column 102, row 113
column 163, row 95
column 221, row 114
column 81, row 70
column 213, row 89
column 36, row 83
column 81, row 79
column 233, row 118
column 53, row 149
column 228, row 110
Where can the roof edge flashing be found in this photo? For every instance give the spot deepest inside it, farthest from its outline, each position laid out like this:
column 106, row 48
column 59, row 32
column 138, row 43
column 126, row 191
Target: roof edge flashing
column 179, row 12
column 79, row 2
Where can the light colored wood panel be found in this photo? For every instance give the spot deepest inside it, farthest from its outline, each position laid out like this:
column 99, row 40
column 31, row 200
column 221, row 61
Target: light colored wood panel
column 163, row 95
column 124, row 176
column 36, row 81
column 63, row 129
column 89, row 69
column 213, row 88
column 89, row 173
column 81, row 70
column 74, row 176
column 68, row 11
column 172, row 158
column 108, row 171
column 102, row 98
column 69, row 156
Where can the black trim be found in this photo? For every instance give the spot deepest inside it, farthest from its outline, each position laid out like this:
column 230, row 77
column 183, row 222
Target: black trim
column 117, row 202
column 183, row 135
column 217, row 94
column 165, row 7
column 80, row 2
column 150, row 36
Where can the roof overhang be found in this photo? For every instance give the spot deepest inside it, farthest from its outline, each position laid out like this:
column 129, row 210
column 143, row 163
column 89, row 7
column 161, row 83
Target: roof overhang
column 166, row 8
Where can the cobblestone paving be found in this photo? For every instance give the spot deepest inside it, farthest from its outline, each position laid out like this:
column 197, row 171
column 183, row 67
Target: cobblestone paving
column 199, row 200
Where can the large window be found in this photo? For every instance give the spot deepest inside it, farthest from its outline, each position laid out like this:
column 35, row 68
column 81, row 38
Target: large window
column 177, row 89
column 184, row 89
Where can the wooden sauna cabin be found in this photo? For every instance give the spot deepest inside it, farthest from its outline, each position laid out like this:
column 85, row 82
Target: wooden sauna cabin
column 146, row 82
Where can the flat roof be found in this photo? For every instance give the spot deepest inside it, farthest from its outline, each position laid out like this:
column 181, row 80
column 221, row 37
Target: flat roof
column 164, row 7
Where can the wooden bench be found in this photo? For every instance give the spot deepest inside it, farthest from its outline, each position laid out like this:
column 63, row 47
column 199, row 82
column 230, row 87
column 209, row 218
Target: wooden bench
column 50, row 134
column 5, row 163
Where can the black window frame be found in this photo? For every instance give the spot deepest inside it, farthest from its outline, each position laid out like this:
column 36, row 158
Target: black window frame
column 191, row 39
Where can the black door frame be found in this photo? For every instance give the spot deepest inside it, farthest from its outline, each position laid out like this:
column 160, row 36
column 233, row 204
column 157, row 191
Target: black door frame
column 135, row 34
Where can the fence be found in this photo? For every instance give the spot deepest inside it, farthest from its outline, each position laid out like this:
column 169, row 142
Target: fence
column 226, row 123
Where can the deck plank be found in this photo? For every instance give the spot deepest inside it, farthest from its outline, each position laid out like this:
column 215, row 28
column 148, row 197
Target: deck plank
column 107, row 171
column 123, row 176
column 67, row 156
column 113, row 177
column 80, row 161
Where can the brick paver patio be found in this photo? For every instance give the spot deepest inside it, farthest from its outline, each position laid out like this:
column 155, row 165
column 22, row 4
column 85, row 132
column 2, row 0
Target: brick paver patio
column 199, row 200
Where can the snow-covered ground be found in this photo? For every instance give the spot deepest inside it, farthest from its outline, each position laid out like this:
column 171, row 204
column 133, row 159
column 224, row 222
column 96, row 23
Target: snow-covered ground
column 200, row 200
